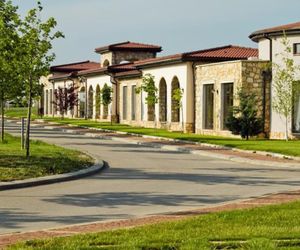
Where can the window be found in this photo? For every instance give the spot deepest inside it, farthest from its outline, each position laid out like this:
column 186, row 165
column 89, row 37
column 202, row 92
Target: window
column 296, row 48
column 124, row 102
column 296, row 115
column 227, row 102
column 133, row 102
column 208, row 94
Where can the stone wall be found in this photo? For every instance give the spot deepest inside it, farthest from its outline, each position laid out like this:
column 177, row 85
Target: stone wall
column 240, row 73
column 119, row 56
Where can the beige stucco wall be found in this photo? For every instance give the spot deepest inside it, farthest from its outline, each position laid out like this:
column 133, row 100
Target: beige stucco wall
column 240, row 73
column 277, row 121
column 138, row 114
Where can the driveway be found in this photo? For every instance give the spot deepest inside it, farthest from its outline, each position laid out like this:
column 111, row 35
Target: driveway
column 140, row 181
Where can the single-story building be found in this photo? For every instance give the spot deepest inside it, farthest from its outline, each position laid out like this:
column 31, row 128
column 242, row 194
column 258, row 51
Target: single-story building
column 209, row 79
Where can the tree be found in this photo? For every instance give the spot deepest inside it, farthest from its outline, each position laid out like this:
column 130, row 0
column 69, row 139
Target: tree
column 36, row 43
column 243, row 119
column 148, row 86
column 9, row 44
column 177, row 97
column 65, row 99
column 286, row 87
column 72, row 98
column 61, row 101
column 106, row 96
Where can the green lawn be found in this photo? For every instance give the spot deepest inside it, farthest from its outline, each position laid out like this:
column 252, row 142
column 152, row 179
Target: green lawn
column 45, row 160
column 277, row 146
column 271, row 227
column 20, row 112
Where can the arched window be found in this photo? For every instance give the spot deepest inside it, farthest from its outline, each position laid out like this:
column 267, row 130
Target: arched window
column 106, row 63
column 98, row 102
column 162, row 100
column 81, row 102
column 175, row 105
column 90, row 102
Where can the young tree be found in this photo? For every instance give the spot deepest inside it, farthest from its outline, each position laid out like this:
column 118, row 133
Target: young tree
column 148, row 86
column 177, row 97
column 106, row 96
column 286, row 87
column 65, row 99
column 9, row 42
column 36, row 42
column 72, row 98
column 61, row 101
column 243, row 119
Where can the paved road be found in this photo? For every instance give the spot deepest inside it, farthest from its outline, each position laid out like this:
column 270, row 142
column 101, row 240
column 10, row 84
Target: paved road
column 139, row 181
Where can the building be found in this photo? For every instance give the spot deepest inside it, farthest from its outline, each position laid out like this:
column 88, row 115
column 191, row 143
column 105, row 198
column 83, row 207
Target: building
column 209, row 79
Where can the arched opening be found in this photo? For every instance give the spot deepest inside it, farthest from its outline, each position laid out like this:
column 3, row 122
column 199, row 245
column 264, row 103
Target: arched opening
column 90, row 102
column 162, row 100
column 106, row 63
column 98, row 102
column 175, row 104
column 81, row 102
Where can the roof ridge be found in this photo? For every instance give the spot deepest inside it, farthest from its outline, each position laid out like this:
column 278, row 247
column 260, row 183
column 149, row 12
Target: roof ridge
column 69, row 64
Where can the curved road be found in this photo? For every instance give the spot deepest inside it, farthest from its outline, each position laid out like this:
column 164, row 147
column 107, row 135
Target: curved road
column 140, row 181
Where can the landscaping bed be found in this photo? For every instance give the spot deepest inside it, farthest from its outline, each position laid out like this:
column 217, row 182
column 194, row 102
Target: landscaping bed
column 45, row 160
column 270, row 227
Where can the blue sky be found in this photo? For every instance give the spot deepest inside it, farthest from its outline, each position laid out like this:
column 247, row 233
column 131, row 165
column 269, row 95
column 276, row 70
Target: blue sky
column 177, row 25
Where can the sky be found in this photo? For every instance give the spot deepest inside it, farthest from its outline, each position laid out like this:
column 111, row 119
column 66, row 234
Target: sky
column 177, row 25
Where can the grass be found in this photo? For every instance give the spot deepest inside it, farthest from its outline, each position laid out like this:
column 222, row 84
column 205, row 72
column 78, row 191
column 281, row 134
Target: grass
column 277, row 146
column 291, row 148
column 20, row 112
column 45, row 160
column 270, row 227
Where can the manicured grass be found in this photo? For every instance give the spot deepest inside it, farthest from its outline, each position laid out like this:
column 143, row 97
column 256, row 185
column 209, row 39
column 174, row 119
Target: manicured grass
column 45, row 160
column 271, row 227
column 20, row 112
column 277, row 146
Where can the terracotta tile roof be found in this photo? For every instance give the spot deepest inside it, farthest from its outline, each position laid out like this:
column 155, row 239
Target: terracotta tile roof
column 128, row 73
column 229, row 52
column 159, row 59
column 71, row 67
column 122, row 67
column 92, row 71
column 133, row 46
column 226, row 52
column 288, row 28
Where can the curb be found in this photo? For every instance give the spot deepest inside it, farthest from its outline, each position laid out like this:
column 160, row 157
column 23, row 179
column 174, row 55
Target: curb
column 99, row 165
column 205, row 153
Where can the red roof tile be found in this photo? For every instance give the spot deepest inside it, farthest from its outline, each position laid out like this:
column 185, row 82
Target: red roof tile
column 288, row 28
column 129, row 46
column 229, row 52
column 225, row 52
column 74, row 66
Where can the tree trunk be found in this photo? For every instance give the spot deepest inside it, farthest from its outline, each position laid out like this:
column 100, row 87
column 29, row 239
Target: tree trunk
column 28, row 123
column 286, row 129
column 2, row 119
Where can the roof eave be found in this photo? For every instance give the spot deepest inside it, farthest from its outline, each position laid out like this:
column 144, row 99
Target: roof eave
column 256, row 36
column 160, row 63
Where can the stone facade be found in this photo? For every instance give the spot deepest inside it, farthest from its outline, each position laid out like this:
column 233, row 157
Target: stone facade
column 240, row 73
column 116, row 57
